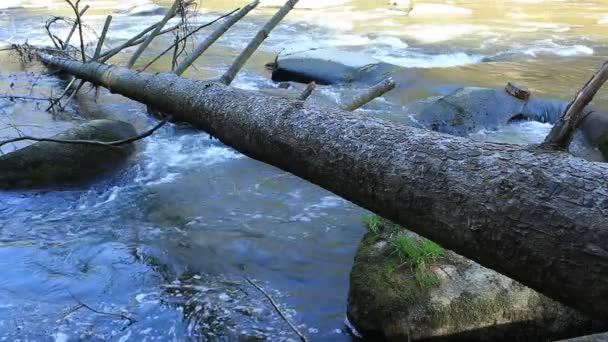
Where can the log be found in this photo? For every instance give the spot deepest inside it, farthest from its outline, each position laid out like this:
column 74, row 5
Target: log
column 537, row 216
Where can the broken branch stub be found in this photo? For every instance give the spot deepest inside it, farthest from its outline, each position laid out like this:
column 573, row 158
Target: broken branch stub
column 368, row 95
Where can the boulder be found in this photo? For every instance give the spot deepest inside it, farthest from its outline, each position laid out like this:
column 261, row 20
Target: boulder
column 403, row 288
column 50, row 164
column 595, row 129
column 330, row 66
column 470, row 109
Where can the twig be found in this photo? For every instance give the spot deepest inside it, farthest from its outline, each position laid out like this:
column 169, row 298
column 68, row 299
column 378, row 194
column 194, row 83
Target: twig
column 119, row 315
column 307, row 91
column 154, row 33
column 65, row 91
column 79, row 23
column 90, row 142
column 102, row 38
column 67, row 40
column 186, row 37
column 563, row 131
column 370, row 94
column 137, row 39
column 278, row 310
column 215, row 35
column 262, row 34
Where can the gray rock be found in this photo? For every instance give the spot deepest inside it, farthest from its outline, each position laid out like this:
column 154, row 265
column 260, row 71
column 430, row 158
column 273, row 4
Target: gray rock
column 471, row 109
column 451, row 298
column 49, row 164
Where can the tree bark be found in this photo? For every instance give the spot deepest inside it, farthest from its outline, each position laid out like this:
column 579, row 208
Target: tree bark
column 537, row 216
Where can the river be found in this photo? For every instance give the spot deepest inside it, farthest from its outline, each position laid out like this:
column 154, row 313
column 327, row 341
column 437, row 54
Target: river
column 170, row 239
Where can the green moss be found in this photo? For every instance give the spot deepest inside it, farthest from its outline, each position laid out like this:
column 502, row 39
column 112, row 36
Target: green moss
column 470, row 309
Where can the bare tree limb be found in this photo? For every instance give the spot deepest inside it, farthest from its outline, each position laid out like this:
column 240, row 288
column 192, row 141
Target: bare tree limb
column 79, row 23
column 215, row 35
column 278, row 310
column 112, row 144
column 370, row 94
column 154, row 33
column 563, row 131
column 230, row 74
column 307, row 91
column 102, row 38
column 80, row 14
column 186, row 37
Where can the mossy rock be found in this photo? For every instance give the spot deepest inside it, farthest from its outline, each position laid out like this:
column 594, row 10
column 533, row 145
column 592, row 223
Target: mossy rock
column 467, row 302
column 51, row 165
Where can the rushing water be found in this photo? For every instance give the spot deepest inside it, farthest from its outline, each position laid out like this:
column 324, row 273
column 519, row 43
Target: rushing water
column 170, row 239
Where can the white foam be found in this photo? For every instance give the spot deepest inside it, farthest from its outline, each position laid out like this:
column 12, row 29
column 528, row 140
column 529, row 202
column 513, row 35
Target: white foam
column 424, row 9
column 410, row 60
column 433, row 33
column 550, row 47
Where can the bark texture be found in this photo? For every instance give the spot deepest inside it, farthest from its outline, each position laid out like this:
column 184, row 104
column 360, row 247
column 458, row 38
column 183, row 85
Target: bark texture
column 537, row 216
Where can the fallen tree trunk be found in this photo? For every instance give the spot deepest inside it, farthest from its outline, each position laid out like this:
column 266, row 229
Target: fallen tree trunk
column 537, row 216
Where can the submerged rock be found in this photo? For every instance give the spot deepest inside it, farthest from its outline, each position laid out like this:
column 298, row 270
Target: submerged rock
column 470, row 109
column 403, row 287
column 49, row 164
column 141, row 8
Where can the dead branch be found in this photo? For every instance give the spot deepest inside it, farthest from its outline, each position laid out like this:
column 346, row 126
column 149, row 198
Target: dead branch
column 102, row 38
column 154, row 33
column 137, row 39
column 79, row 24
column 278, row 310
column 74, row 26
column 183, row 39
column 84, row 305
column 112, row 144
column 215, row 35
column 370, row 94
column 307, row 91
column 563, row 131
column 262, row 34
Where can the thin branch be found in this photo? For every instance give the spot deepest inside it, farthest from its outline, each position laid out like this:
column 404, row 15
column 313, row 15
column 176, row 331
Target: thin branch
column 65, row 91
column 74, row 26
column 563, row 131
column 102, row 38
column 230, row 74
column 278, row 310
column 215, row 35
column 307, row 91
column 79, row 23
column 135, row 41
column 370, row 94
column 90, row 142
column 154, row 33
column 119, row 315
column 186, row 37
